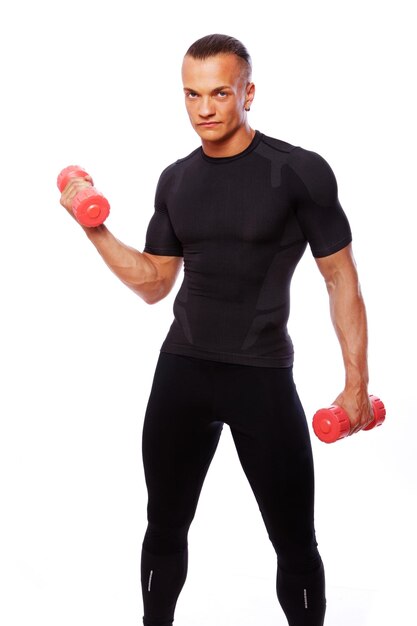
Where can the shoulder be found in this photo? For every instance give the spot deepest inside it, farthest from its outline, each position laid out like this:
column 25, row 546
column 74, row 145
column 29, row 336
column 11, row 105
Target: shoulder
column 304, row 160
column 311, row 170
column 297, row 156
column 276, row 145
column 314, row 172
column 169, row 173
column 172, row 175
column 190, row 157
column 301, row 159
column 174, row 167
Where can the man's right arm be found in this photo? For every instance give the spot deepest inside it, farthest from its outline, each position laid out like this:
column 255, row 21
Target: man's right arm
column 150, row 276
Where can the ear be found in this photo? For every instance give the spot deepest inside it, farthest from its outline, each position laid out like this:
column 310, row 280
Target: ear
column 250, row 94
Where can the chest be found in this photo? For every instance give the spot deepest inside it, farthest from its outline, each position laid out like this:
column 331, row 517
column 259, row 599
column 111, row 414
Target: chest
column 228, row 202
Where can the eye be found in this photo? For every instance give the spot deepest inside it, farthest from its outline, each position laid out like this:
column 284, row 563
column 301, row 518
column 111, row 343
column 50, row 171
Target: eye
column 191, row 95
column 222, row 94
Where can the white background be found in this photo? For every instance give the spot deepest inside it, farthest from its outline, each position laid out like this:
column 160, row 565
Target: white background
column 98, row 83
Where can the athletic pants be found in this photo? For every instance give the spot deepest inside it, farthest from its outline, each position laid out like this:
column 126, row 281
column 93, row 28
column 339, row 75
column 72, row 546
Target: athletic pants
column 190, row 401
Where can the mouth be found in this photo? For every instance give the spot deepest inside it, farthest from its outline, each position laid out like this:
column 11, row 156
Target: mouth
column 208, row 124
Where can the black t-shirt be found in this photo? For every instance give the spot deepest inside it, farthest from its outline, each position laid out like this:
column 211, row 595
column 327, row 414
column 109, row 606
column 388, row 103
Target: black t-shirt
column 242, row 223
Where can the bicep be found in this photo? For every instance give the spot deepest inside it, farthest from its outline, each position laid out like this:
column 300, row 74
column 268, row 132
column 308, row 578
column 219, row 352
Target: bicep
column 166, row 267
column 163, row 248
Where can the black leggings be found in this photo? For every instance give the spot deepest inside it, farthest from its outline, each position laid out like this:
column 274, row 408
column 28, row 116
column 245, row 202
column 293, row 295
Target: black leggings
column 190, row 401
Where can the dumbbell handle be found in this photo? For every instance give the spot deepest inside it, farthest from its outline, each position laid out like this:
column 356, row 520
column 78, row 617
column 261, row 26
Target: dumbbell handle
column 89, row 206
column 333, row 423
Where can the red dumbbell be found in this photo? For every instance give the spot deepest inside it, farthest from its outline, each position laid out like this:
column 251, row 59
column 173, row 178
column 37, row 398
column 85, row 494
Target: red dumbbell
column 333, row 423
column 89, row 206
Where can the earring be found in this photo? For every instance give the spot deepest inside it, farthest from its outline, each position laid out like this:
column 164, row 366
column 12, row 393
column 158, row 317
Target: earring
column 247, row 108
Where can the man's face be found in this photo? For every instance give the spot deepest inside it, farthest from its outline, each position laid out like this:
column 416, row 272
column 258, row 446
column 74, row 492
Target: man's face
column 216, row 93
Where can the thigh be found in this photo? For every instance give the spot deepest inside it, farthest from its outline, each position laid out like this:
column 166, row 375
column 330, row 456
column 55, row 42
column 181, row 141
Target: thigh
column 179, row 439
column 270, row 432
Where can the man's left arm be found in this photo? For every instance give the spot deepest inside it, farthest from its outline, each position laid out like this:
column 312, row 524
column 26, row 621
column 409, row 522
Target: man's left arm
column 348, row 314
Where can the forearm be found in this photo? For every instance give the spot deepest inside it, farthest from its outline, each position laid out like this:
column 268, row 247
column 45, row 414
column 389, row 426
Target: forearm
column 348, row 315
column 132, row 267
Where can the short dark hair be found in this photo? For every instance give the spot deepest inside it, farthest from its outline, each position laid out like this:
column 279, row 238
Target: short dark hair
column 211, row 45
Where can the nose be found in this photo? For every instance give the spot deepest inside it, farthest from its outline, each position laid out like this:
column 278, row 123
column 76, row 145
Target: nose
column 206, row 108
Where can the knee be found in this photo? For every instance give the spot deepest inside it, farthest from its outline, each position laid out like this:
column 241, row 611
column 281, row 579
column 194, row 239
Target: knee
column 296, row 549
column 298, row 557
column 299, row 561
column 164, row 540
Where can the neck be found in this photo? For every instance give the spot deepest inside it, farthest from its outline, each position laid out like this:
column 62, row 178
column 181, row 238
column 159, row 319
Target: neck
column 236, row 143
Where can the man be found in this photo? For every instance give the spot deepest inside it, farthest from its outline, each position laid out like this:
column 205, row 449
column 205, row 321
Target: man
column 240, row 210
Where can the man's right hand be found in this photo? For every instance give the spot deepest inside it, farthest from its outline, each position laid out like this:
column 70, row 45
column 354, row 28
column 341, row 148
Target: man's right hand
column 74, row 186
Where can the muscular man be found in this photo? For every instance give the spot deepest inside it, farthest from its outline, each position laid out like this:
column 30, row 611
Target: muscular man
column 239, row 211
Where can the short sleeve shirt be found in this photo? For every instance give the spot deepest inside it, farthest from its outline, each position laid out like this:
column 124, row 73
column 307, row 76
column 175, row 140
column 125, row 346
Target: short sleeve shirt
column 242, row 223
